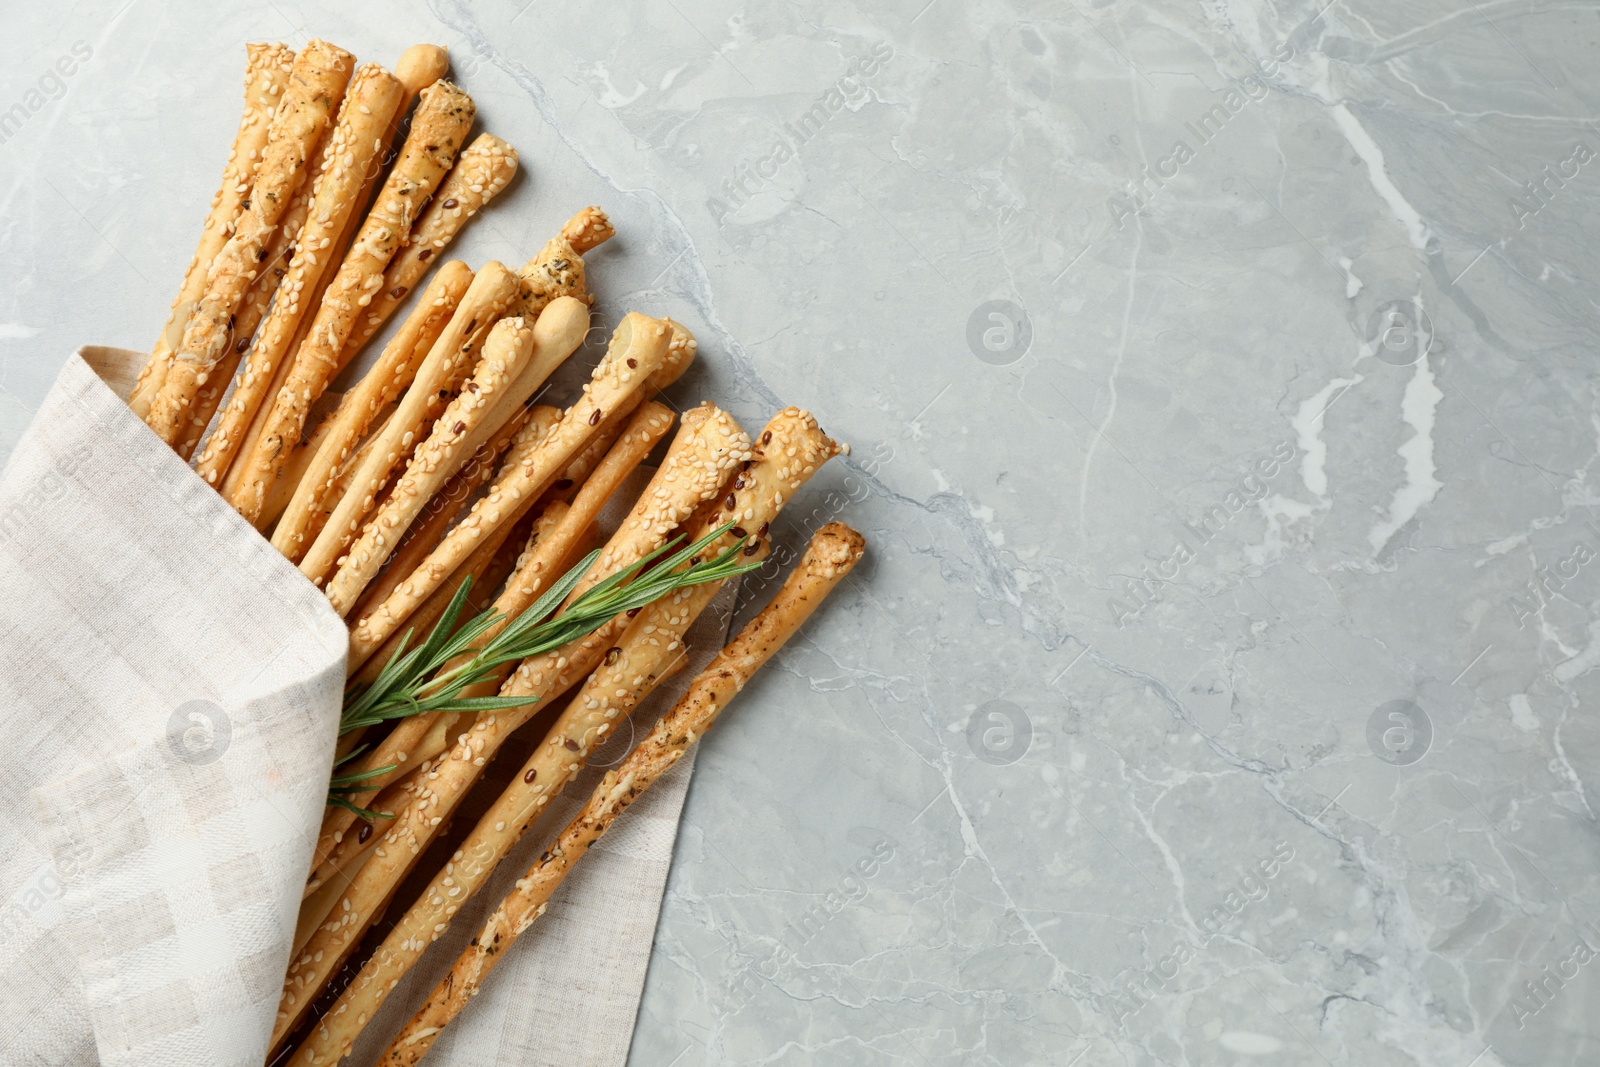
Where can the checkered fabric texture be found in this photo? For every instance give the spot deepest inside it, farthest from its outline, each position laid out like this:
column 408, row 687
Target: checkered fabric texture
column 169, row 690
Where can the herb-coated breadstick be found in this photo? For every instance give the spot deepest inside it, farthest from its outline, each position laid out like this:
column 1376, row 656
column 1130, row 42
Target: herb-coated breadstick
column 252, row 310
column 830, row 556
column 440, row 125
column 266, row 75
column 298, row 459
column 540, row 679
column 790, row 451
column 558, row 269
column 638, row 347
column 316, row 84
column 382, row 385
column 355, row 145
column 491, row 293
column 485, row 168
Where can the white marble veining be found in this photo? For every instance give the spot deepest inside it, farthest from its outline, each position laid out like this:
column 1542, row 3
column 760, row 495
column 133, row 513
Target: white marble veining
column 1215, row 690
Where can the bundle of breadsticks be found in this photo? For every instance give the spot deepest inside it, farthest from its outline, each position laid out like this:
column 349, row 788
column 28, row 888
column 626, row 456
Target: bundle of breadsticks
column 434, row 485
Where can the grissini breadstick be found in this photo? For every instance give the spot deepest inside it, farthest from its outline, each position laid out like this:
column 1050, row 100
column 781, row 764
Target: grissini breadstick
column 302, row 452
column 254, row 307
column 553, row 543
column 693, row 458
column 588, row 228
column 680, row 353
column 354, row 146
column 790, row 451
column 830, row 556
column 638, row 347
column 491, row 293
column 300, row 458
column 206, row 401
column 517, row 356
column 420, row 66
column 440, row 125
column 426, row 736
column 508, row 349
column 418, row 736
column 558, row 268
column 566, row 318
column 445, row 507
column 266, row 75
column 696, row 464
column 316, row 84
column 485, row 168
column 383, row 384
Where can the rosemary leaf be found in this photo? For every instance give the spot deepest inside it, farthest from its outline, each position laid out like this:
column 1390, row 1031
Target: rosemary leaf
column 418, row 680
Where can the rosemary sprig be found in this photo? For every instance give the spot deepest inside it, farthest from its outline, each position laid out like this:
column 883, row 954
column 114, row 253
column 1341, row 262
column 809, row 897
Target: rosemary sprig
column 346, row 783
column 418, row 681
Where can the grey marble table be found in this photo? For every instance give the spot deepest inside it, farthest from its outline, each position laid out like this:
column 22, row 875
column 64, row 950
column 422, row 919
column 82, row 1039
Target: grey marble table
column 1219, row 376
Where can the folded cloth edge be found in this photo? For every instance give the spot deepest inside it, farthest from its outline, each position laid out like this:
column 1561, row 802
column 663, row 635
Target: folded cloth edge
column 94, row 383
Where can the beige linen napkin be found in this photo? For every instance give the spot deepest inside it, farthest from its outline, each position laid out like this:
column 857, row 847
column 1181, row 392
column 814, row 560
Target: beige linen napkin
column 169, row 692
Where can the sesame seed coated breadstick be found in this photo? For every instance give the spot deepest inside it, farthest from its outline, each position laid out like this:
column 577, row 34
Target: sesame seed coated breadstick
column 540, row 679
column 382, row 385
column 418, row 738
column 266, row 76
column 316, row 84
column 500, row 381
column 533, row 575
column 832, row 553
column 355, row 146
column 447, row 448
column 441, row 123
column 651, row 647
column 485, row 168
column 442, row 510
column 638, row 347
column 419, row 67
column 491, row 293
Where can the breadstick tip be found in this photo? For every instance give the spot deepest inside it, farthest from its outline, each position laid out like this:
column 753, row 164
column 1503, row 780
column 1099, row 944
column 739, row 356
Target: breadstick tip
column 588, row 229
column 680, row 353
column 834, row 550
column 421, row 65
column 565, row 320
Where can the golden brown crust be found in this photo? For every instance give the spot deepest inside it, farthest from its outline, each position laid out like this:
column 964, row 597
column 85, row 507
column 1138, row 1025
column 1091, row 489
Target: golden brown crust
column 351, row 150
column 266, row 76
column 394, row 371
column 443, row 509
column 832, row 553
column 700, row 460
column 447, row 448
column 316, row 85
column 485, row 168
column 551, row 545
column 441, row 123
column 491, row 293
column 588, row 230
column 638, row 347
column 791, row 449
